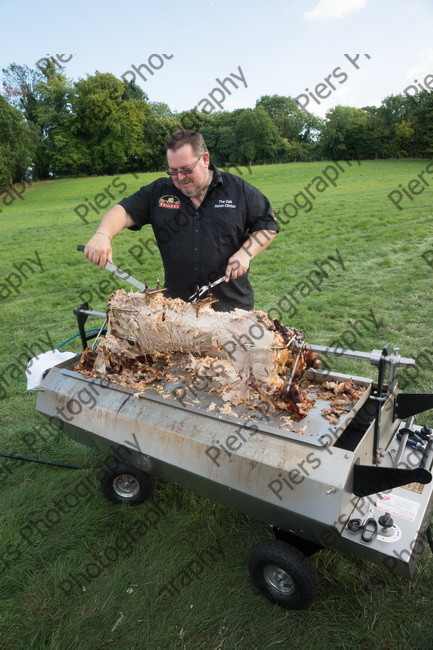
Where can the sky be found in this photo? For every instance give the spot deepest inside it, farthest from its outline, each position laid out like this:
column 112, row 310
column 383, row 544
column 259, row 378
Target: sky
column 268, row 47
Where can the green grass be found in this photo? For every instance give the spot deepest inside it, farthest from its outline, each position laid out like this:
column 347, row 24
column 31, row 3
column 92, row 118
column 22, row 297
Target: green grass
column 359, row 604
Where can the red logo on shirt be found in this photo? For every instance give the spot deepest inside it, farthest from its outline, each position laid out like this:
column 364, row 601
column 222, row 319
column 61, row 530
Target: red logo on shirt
column 169, row 201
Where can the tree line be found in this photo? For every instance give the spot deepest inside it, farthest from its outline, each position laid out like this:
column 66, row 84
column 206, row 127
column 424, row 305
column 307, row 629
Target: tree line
column 52, row 127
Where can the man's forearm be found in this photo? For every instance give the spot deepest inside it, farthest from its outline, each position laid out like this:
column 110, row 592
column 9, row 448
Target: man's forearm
column 114, row 220
column 258, row 241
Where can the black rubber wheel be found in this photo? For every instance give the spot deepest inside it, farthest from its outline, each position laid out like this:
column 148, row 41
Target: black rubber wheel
column 123, row 483
column 282, row 574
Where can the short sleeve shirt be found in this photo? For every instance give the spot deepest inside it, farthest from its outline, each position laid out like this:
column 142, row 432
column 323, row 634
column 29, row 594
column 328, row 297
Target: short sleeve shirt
column 196, row 243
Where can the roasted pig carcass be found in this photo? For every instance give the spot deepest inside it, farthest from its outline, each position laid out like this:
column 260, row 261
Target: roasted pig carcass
column 243, row 355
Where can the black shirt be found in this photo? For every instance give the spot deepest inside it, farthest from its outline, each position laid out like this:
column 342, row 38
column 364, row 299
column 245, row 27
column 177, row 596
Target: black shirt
column 196, row 243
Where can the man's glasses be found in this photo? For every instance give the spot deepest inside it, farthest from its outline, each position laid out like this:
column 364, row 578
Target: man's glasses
column 185, row 172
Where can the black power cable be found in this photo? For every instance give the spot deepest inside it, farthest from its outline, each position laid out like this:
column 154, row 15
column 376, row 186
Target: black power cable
column 45, row 462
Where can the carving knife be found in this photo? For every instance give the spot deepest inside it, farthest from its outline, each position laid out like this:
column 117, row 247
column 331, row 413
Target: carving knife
column 121, row 274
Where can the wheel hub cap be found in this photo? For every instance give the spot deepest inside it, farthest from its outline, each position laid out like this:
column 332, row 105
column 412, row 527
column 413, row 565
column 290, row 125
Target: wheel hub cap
column 126, row 486
column 279, row 579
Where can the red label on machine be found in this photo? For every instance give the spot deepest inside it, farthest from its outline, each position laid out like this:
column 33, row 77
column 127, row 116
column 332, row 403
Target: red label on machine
column 395, row 505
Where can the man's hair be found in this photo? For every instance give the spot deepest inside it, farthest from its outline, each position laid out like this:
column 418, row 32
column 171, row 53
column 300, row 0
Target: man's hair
column 179, row 138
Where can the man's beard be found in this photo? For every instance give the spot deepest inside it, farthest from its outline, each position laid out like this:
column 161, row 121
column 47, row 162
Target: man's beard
column 190, row 192
column 195, row 189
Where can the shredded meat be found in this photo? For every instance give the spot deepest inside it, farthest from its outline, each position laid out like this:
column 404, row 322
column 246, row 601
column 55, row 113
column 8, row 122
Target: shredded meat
column 242, row 355
column 339, row 395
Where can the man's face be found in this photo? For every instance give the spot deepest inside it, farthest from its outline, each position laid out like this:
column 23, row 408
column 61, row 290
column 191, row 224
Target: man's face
column 184, row 158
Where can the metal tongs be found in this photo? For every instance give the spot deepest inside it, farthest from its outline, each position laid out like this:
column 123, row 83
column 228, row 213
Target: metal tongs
column 206, row 287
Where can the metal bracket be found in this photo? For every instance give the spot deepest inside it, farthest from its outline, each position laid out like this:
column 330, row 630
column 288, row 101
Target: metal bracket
column 373, row 357
column 379, row 398
column 82, row 313
column 371, row 479
column 407, row 404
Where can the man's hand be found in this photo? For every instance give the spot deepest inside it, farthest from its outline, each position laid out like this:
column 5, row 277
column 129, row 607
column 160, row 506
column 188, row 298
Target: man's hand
column 98, row 250
column 237, row 265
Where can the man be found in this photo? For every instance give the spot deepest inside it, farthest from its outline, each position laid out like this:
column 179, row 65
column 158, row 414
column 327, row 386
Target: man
column 207, row 224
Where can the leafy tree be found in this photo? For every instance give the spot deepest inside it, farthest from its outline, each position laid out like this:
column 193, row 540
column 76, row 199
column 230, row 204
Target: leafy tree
column 18, row 141
column 109, row 120
column 392, row 111
column 292, row 122
column 20, row 88
column 258, row 139
column 134, row 92
column 226, row 119
column 210, row 135
column 57, row 153
column 377, row 132
column 102, row 125
column 300, row 151
column 404, row 134
column 344, row 135
column 156, row 133
column 161, row 109
column 227, row 146
column 193, row 120
column 420, row 109
column 42, row 97
column 394, row 108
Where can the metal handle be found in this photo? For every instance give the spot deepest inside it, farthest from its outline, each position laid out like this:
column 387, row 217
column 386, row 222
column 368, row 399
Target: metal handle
column 373, row 357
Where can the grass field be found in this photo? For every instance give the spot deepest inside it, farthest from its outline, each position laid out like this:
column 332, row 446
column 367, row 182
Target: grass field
column 381, row 292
